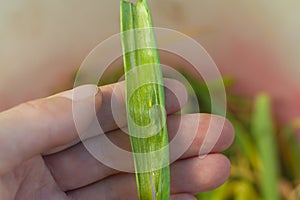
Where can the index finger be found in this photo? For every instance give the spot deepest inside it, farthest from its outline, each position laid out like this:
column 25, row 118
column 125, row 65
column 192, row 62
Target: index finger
column 112, row 114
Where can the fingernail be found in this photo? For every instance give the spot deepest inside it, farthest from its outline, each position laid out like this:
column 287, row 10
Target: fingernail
column 80, row 93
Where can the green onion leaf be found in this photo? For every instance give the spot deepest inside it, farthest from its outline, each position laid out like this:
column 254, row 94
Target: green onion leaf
column 264, row 134
column 145, row 103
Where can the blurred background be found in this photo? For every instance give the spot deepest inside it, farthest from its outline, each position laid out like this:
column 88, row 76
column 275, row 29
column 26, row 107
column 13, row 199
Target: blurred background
column 255, row 44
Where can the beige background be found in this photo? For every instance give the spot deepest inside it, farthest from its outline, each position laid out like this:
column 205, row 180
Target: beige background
column 42, row 42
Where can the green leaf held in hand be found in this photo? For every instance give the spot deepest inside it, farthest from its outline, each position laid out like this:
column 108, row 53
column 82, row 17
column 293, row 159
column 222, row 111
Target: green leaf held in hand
column 145, row 104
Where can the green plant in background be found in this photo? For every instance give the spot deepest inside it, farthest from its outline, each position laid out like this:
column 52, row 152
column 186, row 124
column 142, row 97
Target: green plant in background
column 145, row 104
column 263, row 132
column 265, row 161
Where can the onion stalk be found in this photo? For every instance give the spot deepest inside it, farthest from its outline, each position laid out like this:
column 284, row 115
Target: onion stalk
column 145, row 103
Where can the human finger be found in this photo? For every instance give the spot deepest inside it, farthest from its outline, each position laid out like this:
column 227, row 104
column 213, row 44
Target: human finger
column 190, row 176
column 65, row 164
column 37, row 126
column 113, row 111
column 112, row 114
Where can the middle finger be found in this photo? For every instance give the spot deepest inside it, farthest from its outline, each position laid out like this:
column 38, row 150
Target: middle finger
column 77, row 160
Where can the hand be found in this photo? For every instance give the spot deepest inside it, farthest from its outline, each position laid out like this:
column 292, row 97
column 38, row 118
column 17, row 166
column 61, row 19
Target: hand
column 29, row 130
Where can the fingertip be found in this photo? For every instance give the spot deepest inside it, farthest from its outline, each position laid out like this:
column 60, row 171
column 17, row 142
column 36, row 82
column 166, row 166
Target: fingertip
column 218, row 134
column 223, row 166
column 199, row 174
column 215, row 172
column 229, row 129
column 227, row 135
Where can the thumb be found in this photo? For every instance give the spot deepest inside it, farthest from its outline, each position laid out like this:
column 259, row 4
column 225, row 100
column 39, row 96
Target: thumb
column 40, row 125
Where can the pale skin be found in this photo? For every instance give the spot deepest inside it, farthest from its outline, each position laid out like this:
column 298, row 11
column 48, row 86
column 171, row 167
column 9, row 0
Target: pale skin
column 69, row 172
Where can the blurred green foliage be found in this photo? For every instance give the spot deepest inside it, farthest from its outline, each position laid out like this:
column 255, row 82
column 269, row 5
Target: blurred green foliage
column 265, row 158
